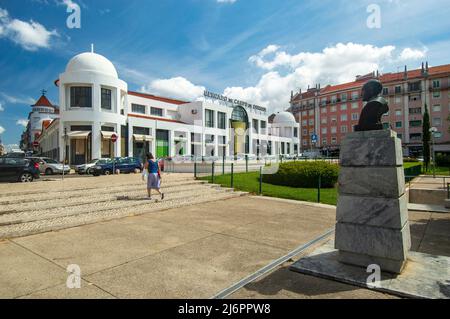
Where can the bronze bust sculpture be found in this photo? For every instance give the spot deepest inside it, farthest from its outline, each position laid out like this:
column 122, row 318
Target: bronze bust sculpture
column 370, row 118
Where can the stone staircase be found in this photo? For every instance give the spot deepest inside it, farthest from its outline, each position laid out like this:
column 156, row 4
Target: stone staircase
column 28, row 212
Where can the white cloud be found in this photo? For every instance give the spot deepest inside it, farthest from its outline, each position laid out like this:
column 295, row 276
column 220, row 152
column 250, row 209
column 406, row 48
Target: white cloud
column 30, row 35
column 22, row 122
column 17, row 99
column 413, row 54
column 1, row 108
column 177, row 87
column 226, row 1
column 2, row 130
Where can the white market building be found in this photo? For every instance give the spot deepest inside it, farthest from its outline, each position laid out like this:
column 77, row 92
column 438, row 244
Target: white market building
column 95, row 104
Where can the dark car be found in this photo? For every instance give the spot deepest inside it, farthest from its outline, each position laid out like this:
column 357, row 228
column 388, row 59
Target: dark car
column 14, row 169
column 123, row 164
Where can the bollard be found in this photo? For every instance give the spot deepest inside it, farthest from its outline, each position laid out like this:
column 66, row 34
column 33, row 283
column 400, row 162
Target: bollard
column 246, row 163
column 232, row 175
column 212, row 172
column 223, row 165
column 195, row 169
column 318, row 189
column 260, row 180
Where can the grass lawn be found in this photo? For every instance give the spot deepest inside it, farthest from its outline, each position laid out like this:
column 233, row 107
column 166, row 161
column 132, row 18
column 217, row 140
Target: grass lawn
column 249, row 182
column 440, row 170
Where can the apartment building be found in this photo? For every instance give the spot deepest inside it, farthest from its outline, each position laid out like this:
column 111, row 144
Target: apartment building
column 329, row 113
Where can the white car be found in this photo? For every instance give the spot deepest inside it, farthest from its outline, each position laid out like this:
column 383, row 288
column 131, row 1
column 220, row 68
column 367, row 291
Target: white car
column 87, row 168
column 49, row 166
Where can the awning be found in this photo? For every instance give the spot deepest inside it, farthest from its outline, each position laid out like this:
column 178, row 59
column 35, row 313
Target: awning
column 142, row 138
column 79, row 134
column 108, row 135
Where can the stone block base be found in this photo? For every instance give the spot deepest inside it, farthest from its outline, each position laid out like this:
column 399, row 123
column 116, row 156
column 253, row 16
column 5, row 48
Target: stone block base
column 386, row 265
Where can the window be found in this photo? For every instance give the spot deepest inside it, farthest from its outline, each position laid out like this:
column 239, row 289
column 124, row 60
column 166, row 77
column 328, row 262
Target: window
column 304, row 122
column 323, row 101
column 106, row 99
column 399, row 135
column 305, row 132
column 355, row 116
column 141, row 130
column 323, row 110
column 386, row 125
column 414, row 97
column 354, row 105
column 304, row 113
column 305, row 143
column 436, row 108
column 415, row 136
column 137, row 108
column 436, row 94
column 311, row 112
column 415, row 110
column 385, row 91
column 255, row 126
column 398, row 100
column 333, row 129
column 415, row 123
column 398, row 112
column 222, row 121
column 324, row 141
column 398, row 89
column 355, row 95
column 333, row 108
column 334, row 99
column 156, row 111
column 398, row 124
column 436, row 84
column 343, row 129
column 414, row 86
column 344, row 117
column 333, row 119
column 343, row 107
column 295, row 132
column 81, row 96
column 324, row 130
column 209, row 118
column 333, row 140
column 311, row 122
column 344, row 97
column 437, row 121
column 323, row 120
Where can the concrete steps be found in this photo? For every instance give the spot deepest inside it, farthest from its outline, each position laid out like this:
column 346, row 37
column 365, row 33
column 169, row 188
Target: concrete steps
column 76, row 207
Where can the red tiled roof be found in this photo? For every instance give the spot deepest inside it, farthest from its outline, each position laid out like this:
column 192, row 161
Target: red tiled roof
column 43, row 101
column 414, row 74
column 157, row 98
column 342, row 87
column 155, row 118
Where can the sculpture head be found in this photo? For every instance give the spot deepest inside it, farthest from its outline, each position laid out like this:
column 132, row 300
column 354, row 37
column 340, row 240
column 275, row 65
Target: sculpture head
column 371, row 90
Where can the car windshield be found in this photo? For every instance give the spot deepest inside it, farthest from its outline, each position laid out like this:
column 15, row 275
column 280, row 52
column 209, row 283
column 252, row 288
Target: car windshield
column 94, row 161
column 50, row 161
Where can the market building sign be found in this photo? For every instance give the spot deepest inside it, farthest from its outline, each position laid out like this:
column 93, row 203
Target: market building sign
column 226, row 99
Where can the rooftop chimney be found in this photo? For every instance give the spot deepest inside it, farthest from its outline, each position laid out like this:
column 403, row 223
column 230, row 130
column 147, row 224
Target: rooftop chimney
column 405, row 73
column 423, row 70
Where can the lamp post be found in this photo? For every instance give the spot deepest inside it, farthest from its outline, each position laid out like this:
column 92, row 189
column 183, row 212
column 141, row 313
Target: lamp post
column 65, row 137
column 433, row 130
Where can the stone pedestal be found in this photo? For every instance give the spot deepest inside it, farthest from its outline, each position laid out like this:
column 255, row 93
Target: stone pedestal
column 372, row 216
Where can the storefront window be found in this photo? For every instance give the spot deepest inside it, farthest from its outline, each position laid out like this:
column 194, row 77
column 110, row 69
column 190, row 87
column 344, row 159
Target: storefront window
column 80, row 96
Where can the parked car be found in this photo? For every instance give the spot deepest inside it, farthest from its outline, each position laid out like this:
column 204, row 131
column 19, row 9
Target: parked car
column 15, row 169
column 49, row 166
column 123, row 164
column 87, row 168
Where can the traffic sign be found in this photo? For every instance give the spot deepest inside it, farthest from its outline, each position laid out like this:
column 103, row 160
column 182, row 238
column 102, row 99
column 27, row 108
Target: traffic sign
column 114, row 138
column 314, row 138
column 35, row 144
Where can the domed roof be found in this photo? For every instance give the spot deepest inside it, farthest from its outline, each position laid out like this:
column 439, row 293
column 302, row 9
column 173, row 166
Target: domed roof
column 93, row 62
column 284, row 117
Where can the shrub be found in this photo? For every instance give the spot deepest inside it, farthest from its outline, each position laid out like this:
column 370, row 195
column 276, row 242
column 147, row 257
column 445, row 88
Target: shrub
column 443, row 160
column 304, row 174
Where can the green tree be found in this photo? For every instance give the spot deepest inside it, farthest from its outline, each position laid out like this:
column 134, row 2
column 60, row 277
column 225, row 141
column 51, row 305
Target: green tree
column 426, row 137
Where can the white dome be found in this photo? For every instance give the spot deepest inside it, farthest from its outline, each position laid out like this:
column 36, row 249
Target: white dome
column 284, row 117
column 93, row 62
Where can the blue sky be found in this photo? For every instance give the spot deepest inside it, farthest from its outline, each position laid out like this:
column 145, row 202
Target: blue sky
column 256, row 50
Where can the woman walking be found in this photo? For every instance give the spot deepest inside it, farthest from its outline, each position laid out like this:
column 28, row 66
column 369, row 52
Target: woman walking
column 153, row 176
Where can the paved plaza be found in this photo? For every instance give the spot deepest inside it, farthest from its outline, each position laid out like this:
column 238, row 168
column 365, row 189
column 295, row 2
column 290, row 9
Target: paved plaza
column 190, row 251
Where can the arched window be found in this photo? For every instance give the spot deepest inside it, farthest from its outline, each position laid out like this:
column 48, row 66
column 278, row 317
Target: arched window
column 239, row 115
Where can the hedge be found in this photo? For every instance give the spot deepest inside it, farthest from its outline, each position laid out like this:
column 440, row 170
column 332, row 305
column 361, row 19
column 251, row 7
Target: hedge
column 304, row 174
column 443, row 160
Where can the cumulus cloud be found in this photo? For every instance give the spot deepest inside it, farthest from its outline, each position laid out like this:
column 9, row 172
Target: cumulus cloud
column 29, row 35
column 2, row 130
column 177, row 87
column 22, row 122
column 412, row 54
column 1, row 108
column 17, row 99
column 284, row 72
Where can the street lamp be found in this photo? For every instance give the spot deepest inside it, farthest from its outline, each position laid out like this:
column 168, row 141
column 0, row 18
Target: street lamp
column 65, row 137
column 433, row 130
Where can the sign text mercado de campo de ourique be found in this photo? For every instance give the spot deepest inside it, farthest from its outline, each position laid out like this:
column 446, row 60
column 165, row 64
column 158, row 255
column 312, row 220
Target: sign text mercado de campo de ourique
column 223, row 98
